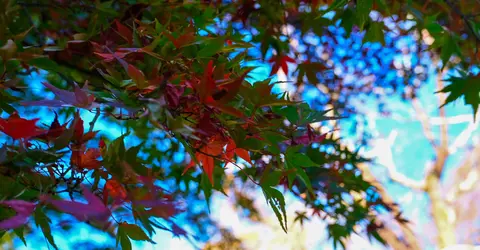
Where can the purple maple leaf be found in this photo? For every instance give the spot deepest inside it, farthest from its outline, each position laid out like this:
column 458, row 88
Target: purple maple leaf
column 94, row 210
column 79, row 98
column 23, row 208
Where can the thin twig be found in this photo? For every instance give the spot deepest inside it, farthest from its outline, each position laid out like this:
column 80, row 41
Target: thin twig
column 92, row 123
column 424, row 120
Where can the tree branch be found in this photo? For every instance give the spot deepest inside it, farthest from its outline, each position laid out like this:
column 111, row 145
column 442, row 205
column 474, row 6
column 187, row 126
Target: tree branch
column 463, row 137
column 94, row 120
column 424, row 121
column 409, row 239
column 466, row 175
column 442, row 150
column 383, row 152
column 456, row 119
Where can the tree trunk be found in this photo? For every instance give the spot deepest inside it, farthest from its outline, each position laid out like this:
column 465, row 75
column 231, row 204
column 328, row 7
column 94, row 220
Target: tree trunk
column 441, row 213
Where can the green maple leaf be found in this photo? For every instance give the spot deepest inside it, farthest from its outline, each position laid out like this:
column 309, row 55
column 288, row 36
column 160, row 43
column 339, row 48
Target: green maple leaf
column 466, row 86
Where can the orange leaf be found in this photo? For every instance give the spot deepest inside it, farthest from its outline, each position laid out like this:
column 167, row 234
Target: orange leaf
column 205, row 156
column 213, row 148
column 189, row 166
column 87, row 160
column 208, row 165
column 230, row 151
column 243, row 154
column 114, row 189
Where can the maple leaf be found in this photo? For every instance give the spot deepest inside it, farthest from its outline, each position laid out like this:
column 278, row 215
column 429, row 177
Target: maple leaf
column 93, row 210
column 207, row 84
column 23, row 208
column 79, row 98
column 280, row 62
column 160, row 205
column 78, row 129
column 125, row 32
column 78, row 133
column 214, row 148
column 467, row 86
column 231, row 88
column 310, row 70
column 164, row 210
column 226, row 109
column 173, row 94
column 207, row 126
column 19, row 128
column 108, row 57
column 114, row 189
column 208, row 164
column 54, row 131
column 232, row 148
column 316, row 211
column 137, row 76
column 186, row 38
column 86, row 160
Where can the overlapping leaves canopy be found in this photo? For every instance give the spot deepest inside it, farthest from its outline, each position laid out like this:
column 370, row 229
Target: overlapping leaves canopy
column 179, row 69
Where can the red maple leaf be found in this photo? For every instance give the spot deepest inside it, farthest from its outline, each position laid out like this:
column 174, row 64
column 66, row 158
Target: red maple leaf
column 232, row 148
column 54, row 131
column 280, row 62
column 187, row 37
column 19, row 128
column 173, row 94
column 114, row 189
column 109, row 57
column 206, row 154
column 124, row 31
column 231, row 88
column 78, row 130
column 78, row 133
column 86, row 160
column 206, row 91
column 206, row 85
